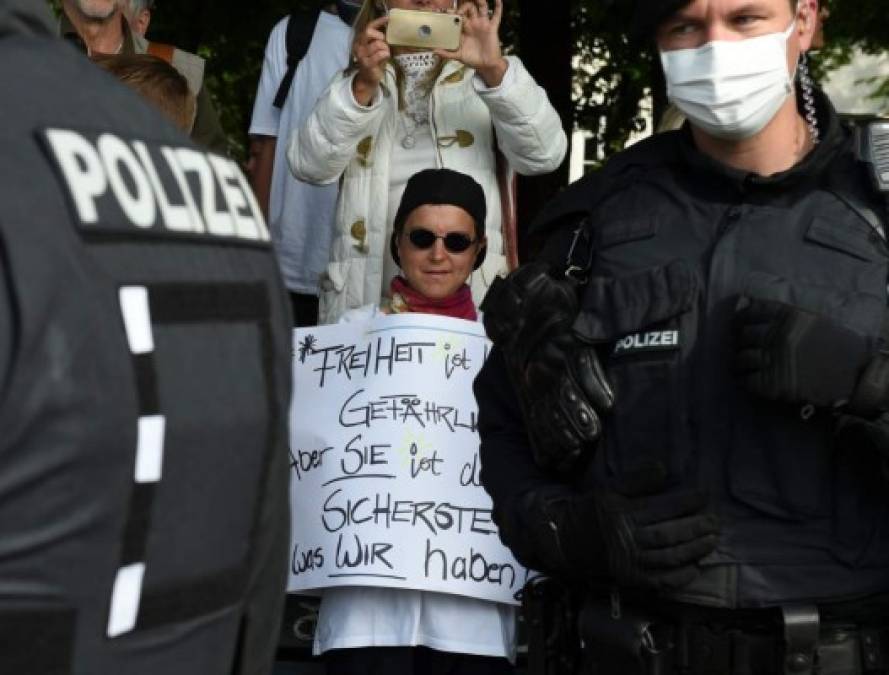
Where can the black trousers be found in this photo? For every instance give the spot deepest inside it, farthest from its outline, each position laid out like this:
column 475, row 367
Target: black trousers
column 717, row 650
column 411, row 661
column 305, row 309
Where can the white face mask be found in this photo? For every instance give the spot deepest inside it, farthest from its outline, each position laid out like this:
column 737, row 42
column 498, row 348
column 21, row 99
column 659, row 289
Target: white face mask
column 732, row 89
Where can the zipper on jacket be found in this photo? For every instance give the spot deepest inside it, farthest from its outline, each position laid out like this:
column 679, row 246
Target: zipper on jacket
column 434, row 125
column 700, row 398
column 729, row 221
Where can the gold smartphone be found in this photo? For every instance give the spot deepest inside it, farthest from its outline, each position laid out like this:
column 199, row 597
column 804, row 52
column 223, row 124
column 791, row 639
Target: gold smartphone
column 425, row 30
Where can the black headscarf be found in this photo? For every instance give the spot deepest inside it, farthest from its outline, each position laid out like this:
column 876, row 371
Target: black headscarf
column 441, row 186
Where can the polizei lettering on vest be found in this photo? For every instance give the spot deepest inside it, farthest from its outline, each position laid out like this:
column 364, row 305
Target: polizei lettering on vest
column 122, row 185
column 652, row 341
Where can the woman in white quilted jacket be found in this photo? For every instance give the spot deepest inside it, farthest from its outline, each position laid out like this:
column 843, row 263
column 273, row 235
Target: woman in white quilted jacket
column 396, row 111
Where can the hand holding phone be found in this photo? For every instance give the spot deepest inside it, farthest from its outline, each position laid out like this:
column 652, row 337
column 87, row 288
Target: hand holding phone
column 370, row 52
column 480, row 47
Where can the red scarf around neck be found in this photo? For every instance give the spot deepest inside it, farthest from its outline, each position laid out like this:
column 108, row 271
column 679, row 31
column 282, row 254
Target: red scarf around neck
column 458, row 305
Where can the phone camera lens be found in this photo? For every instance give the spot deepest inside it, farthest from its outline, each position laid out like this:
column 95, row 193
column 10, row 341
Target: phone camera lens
column 425, row 31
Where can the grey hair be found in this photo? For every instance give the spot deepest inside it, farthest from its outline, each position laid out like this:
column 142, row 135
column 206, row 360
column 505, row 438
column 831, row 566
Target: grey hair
column 135, row 6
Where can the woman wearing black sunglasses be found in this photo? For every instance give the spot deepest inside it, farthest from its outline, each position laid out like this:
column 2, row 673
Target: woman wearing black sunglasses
column 438, row 239
column 436, row 246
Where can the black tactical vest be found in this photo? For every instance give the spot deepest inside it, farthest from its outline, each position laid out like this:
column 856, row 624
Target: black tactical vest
column 144, row 384
column 677, row 239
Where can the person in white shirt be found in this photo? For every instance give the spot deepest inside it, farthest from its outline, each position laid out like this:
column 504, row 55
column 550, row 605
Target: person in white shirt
column 300, row 216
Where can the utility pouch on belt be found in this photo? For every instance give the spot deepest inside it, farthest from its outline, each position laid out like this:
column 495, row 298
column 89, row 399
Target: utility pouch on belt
column 620, row 641
column 551, row 622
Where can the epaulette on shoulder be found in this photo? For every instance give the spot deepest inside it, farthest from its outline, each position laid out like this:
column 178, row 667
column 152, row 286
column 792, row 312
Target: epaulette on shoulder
column 582, row 196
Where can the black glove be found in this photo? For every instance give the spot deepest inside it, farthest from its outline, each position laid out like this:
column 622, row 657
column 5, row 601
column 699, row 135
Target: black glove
column 637, row 535
column 558, row 379
column 787, row 354
column 857, row 434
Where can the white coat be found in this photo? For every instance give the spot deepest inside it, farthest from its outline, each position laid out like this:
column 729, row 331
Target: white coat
column 469, row 123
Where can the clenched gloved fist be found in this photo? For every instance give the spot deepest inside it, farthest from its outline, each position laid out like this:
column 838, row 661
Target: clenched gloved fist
column 558, row 379
column 636, row 534
column 788, row 354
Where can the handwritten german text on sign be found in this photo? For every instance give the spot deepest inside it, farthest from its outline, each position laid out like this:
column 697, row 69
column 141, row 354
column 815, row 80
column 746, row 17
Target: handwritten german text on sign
column 384, row 460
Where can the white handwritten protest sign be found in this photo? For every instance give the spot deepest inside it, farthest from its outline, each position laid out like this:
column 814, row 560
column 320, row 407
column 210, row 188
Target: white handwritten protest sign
column 384, row 460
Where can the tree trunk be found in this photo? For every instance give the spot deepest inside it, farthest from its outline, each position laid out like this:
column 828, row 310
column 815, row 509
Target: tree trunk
column 546, row 46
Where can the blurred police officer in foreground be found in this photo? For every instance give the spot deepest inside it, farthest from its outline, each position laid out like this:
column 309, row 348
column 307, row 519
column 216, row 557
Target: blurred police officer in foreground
column 144, row 381
column 696, row 437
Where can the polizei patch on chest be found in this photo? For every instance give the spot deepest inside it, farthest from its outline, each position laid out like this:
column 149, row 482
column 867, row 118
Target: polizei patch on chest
column 652, row 341
column 133, row 187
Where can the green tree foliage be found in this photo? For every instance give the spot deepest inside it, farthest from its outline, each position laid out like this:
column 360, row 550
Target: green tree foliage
column 613, row 74
column 862, row 24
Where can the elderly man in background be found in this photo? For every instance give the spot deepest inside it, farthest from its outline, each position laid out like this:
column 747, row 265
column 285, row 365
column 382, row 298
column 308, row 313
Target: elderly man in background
column 99, row 26
column 138, row 13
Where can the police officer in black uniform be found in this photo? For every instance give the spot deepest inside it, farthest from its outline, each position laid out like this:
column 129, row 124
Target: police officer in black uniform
column 144, row 384
column 696, row 437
